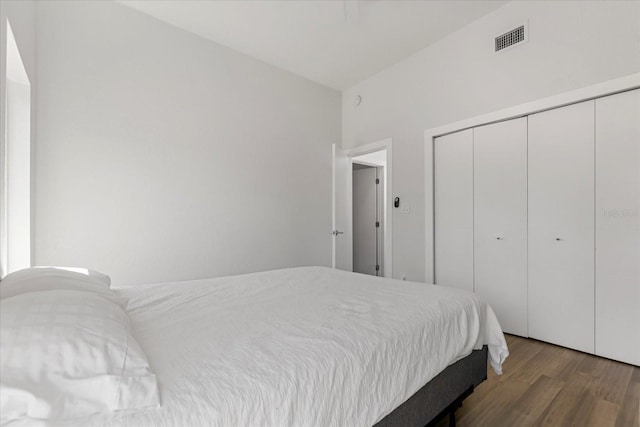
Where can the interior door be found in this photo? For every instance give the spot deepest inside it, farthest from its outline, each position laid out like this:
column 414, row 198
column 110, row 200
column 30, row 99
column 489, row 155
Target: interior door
column 380, row 230
column 341, row 234
column 453, row 216
column 500, row 220
column 561, row 226
column 364, row 220
column 618, row 227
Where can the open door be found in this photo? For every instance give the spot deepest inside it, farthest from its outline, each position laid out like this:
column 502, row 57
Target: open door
column 365, row 221
column 341, row 234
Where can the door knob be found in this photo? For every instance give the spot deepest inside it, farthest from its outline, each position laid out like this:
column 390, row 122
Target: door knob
column 499, row 238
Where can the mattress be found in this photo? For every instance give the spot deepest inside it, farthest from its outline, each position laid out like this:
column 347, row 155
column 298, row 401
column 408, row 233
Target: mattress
column 307, row 346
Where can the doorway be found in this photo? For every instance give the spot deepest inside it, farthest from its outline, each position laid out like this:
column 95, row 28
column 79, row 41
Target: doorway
column 368, row 213
column 377, row 156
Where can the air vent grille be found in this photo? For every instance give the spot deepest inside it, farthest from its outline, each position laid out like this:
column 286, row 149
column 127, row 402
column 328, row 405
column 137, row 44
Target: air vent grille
column 510, row 38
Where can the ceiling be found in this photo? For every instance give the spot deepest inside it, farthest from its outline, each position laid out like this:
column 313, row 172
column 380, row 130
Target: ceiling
column 378, row 158
column 336, row 43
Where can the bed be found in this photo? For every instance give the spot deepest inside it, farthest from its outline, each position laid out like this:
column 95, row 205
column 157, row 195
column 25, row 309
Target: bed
column 307, row 346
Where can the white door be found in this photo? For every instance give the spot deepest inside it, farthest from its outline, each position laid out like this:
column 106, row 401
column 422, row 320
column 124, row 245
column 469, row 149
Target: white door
column 618, row 227
column 500, row 220
column 561, row 226
column 453, row 216
column 341, row 234
column 380, row 213
column 365, row 257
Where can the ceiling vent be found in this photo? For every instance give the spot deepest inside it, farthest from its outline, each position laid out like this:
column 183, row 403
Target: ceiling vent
column 511, row 38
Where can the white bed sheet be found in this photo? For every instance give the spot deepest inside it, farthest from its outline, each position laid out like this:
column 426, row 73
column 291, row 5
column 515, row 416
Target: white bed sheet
column 306, row 346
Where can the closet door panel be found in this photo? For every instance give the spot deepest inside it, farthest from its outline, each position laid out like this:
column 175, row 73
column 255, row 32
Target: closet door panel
column 500, row 221
column 561, row 226
column 453, row 216
column 618, row 227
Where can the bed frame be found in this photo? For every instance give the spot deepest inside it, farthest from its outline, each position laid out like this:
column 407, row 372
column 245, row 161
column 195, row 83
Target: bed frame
column 442, row 395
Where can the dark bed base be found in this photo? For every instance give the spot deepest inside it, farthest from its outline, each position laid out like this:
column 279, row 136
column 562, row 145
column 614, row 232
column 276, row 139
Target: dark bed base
column 442, row 395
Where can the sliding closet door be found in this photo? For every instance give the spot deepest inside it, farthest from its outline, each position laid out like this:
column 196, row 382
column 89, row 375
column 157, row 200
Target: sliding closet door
column 453, row 198
column 561, row 226
column 618, row 227
column 500, row 220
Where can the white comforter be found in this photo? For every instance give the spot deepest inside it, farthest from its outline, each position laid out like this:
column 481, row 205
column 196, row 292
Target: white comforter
column 306, row 346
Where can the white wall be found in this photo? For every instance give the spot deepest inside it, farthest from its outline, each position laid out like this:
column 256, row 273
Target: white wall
column 571, row 45
column 18, row 176
column 22, row 18
column 164, row 156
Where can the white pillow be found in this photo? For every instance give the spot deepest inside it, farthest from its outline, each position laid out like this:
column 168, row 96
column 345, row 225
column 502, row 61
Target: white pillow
column 86, row 271
column 67, row 354
column 49, row 278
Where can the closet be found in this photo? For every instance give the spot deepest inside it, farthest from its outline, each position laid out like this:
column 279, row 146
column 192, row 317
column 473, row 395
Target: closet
column 454, row 210
column 561, row 226
column 539, row 215
column 617, row 238
column 500, row 220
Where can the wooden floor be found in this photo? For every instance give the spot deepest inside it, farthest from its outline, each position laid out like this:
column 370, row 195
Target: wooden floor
column 546, row 385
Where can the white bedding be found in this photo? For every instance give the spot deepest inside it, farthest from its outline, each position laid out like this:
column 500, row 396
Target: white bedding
column 307, row 346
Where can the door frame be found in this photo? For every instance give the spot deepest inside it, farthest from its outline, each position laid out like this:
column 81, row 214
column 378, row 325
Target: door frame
column 387, row 232
column 598, row 90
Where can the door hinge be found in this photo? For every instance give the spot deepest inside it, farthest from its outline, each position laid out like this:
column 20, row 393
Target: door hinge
column 377, row 267
column 377, row 223
column 377, row 180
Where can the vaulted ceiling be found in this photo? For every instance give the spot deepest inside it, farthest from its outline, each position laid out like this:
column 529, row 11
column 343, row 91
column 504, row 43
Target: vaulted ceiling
column 336, row 43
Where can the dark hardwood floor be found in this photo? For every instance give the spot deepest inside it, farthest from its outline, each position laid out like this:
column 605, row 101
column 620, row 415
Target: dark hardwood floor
column 547, row 385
